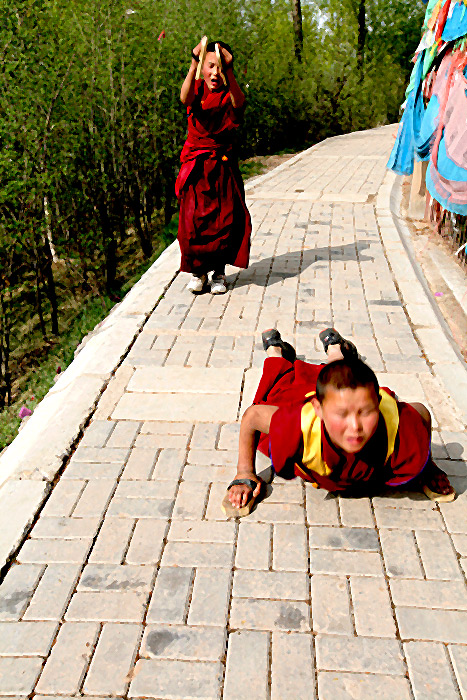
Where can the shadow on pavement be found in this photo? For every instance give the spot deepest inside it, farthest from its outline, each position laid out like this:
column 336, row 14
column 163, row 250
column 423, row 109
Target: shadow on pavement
column 291, row 264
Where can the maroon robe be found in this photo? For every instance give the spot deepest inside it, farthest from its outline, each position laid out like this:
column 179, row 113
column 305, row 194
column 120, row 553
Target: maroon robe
column 396, row 453
column 214, row 226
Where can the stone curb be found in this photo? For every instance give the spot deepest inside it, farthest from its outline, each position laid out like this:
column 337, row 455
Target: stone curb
column 430, row 327
column 31, row 463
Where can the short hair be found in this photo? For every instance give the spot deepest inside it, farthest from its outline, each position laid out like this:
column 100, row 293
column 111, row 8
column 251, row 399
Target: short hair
column 211, row 47
column 345, row 374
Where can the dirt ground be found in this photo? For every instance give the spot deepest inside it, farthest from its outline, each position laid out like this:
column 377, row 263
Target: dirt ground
column 266, row 163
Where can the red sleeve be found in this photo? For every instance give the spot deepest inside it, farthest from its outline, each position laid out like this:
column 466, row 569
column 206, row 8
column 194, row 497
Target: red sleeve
column 412, row 447
column 285, row 439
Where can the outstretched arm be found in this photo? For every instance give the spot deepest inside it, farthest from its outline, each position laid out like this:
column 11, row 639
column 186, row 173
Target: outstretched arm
column 187, row 93
column 255, row 420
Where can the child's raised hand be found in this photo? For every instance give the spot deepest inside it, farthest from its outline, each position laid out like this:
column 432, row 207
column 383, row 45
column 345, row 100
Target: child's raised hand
column 227, row 58
column 197, row 50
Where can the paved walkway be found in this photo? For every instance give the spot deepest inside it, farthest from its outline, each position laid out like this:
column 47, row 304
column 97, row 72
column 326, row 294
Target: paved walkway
column 132, row 583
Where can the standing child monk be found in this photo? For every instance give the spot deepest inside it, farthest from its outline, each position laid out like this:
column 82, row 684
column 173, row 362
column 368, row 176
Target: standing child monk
column 214, row 226
column 333, row 426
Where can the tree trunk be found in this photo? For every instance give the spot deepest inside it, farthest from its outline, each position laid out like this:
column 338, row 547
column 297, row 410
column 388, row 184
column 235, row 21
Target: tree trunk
column 361, row 39
column 297, row 29
column 40, row 311
column 48, row 223
column 141, row 229
column 144, row 239
column 110, row 248
column 5, row 323
column 110, row 263
column 51, row 291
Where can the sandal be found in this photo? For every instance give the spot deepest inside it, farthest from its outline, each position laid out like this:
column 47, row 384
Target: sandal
column 434, row 482
column 230, row 510
column 272, row 337
column 332, row 337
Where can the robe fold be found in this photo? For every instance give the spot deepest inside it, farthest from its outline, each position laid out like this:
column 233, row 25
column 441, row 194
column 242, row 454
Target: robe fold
column 214, row 226
column 298, row 443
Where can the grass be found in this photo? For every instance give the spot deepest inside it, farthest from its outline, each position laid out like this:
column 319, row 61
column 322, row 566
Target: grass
column 36, row 382
column 35, row 362
column 251, row 167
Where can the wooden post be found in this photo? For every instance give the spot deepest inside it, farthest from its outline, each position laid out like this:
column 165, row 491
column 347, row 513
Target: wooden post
column 417, row 200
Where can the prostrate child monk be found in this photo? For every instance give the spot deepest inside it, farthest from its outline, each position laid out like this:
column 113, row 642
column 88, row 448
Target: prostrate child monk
column 214, row 226
column 333, row 426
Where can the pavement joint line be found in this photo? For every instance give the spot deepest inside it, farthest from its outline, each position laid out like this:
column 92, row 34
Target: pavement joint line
column 153, row 468
column 90, row 658
column 391, row 598
column 310, row 596
column 351, row 605
column 357, row 253
column 417, row 547
column 451, row 669
column 242, row 389
column 456, row 553
column 228, row 629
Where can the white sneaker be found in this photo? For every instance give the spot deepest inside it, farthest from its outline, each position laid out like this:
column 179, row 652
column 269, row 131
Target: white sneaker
column 218, row 285
column 196, row 284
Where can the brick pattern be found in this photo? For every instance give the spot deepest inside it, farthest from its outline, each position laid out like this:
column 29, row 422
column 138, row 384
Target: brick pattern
column 132, row 583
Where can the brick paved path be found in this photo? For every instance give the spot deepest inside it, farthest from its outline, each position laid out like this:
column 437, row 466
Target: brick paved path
column 133, row 584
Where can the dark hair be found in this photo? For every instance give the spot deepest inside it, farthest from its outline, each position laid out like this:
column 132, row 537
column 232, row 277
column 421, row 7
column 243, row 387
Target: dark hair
column 211, row 47
column 345, row 374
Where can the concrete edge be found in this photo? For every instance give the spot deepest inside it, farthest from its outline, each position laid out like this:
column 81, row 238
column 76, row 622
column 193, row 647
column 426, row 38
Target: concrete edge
column 31, row 463
column 453, row 374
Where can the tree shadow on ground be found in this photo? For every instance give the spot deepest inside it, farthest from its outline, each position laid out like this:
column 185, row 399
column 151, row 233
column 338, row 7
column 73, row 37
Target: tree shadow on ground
column 293, row 263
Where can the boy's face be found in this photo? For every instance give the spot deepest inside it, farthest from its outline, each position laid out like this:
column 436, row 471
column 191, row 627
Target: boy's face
column 350, row 416
column 211, row 73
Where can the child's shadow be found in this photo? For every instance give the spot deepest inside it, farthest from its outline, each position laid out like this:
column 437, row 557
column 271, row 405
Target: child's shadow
column 293, row 263
column 459, row 481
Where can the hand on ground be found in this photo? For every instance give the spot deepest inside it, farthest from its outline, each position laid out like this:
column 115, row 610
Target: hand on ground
column 240, row 494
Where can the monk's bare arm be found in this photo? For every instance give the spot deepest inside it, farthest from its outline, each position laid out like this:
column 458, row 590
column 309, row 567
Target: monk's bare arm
column 236, row 95
column 255, row 420
column 187, row 93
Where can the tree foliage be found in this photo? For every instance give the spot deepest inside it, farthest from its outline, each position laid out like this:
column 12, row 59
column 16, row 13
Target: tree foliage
column 91, row 125
column 366, row 48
